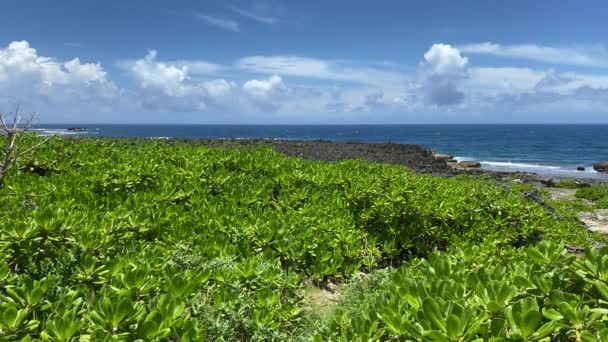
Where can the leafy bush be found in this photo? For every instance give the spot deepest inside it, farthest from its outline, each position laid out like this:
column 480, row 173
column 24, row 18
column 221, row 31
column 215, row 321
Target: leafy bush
column 568, row 184
column 542, row 293
column 157, row 241
column 597, row 194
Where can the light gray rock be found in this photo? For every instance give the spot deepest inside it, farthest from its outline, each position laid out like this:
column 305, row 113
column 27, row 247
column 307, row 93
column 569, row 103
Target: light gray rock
column 445, row 157
column 469, row 164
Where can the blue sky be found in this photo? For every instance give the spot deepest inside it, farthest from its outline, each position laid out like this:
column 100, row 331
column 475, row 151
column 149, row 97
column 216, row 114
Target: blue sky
column 305, row 61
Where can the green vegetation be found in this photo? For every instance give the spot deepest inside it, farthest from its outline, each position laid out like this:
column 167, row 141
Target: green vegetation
column 120, row 240
column 596, row 194
column 540, row 293
column 568, row 184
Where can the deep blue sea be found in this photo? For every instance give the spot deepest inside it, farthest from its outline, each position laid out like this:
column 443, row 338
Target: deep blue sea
column 554, row 150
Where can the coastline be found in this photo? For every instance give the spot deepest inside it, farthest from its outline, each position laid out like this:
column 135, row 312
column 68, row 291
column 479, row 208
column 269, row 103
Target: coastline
column 418, row 158
column 532, row 149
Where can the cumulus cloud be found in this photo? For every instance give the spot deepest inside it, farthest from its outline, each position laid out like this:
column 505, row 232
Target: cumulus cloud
column 266, row 93
column 291, row 88
column 447, row 78
column 38, row 82
column 443, row 70
column 169, row 85
column 19, row 60
column 444, row 59
column 150, row 73
column 218, row 88
column 264, row 88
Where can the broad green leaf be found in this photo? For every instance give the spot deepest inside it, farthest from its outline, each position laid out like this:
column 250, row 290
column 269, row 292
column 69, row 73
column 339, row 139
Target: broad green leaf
column 529, row 322
column 433, row 313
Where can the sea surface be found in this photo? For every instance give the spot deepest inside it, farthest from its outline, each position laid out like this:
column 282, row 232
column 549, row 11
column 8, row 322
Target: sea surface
column 552, row 150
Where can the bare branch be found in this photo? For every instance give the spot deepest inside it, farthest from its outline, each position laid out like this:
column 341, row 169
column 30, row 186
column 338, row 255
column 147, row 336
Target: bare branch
column 16, row 118
column 29, row 195
column 36, row 146
column 9, row 153
column 4, row 127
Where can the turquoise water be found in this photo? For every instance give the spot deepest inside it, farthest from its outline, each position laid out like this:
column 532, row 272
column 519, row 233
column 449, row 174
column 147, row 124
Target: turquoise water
column 545, row 149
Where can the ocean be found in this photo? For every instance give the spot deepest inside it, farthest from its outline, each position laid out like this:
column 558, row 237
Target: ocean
column 551, row 150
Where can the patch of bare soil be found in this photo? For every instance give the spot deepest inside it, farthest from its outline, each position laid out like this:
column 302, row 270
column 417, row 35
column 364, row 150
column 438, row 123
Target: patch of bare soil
column 596, row 221
column 558, row 193
column 320, row 301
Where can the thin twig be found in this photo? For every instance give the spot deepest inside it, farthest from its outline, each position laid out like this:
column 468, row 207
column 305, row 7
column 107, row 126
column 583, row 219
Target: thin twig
column 36, row 146
column 4, row 127
column 9, row 153
column 28, row 195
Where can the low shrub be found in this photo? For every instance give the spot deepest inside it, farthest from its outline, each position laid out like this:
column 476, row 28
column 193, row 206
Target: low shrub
column 147, row 240
column 597, row 194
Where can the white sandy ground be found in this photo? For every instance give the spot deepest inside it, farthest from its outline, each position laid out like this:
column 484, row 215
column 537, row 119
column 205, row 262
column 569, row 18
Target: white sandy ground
column 557, row 193
column 595, row 221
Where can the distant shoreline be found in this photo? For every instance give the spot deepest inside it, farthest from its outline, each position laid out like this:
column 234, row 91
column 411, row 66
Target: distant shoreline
column 418, row 158
column 549, row 150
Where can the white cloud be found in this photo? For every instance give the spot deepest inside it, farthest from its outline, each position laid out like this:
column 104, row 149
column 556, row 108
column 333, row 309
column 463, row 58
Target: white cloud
column 491, row 81
column 222, row 23
column 41, row 83
column 264, row 19
column 293, row 89
column 196, row 67
column 21, row 60
column 391, row 82
column 218, row 88
column 150, row 73
column 496, row 80
column 264, row 88
column 572, row 81
column 443, row 69
column 446, row 60
column 266, row 93
column 287, row 65
column 584, row 56
column 169, row 86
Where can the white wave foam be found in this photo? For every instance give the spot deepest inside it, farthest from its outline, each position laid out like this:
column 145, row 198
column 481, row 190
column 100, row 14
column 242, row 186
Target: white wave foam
column 55, row 131
column 544, row 170
column 519, row 165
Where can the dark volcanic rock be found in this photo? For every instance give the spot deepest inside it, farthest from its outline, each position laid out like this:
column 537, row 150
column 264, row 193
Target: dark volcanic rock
column 415, row 157
column 580, row 168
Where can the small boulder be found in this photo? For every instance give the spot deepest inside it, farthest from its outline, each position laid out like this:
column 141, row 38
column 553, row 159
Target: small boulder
column 445, row 157
column 601, row 167
column 580, row 168
column 469, row 164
